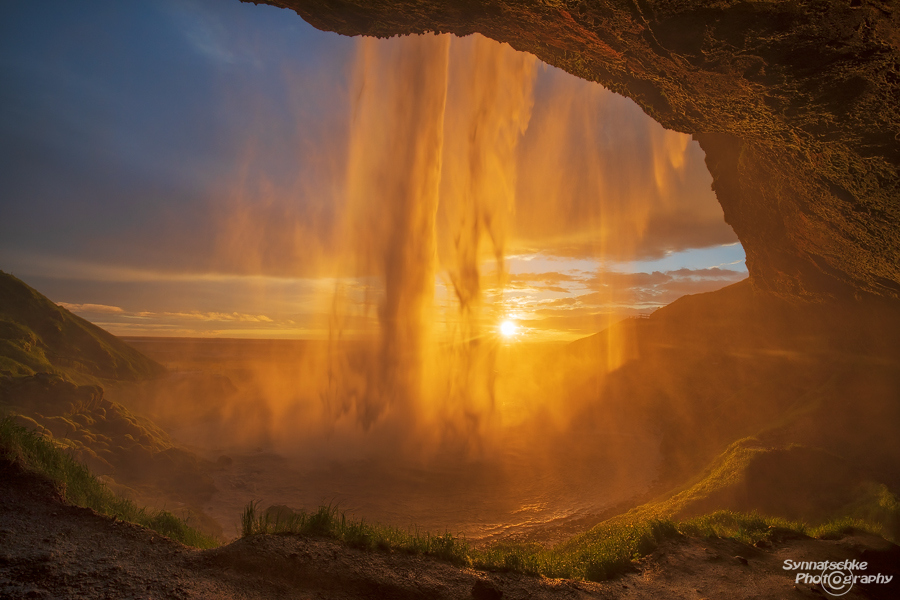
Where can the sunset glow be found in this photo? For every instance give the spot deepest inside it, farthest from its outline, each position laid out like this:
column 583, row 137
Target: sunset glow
column 569, row 207
column 385, row 204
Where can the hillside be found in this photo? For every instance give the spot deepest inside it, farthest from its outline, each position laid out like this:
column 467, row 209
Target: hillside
column 53, row 369
column 36, row 336
column 789, row 409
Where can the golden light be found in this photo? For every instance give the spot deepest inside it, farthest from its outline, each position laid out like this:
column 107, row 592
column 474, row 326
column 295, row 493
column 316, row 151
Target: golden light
column 508, row 328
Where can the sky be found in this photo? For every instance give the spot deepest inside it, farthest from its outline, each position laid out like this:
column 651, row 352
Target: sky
column 186, row 168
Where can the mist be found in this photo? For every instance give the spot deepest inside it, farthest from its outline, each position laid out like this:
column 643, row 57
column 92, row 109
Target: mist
column 416, row 399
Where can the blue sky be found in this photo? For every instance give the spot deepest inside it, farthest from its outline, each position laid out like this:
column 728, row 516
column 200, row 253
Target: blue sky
column 134, row 134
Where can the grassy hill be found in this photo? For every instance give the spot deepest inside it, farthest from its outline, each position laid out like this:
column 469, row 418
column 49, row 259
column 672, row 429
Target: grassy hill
column 53, row 365
column 36, row 335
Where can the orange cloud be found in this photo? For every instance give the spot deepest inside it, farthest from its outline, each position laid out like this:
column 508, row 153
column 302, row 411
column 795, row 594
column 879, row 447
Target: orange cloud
column 91, row 308
column 548, row 282
column 211, row 316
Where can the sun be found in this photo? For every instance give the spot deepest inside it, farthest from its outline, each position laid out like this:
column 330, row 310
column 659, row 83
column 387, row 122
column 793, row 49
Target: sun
column 508, row 328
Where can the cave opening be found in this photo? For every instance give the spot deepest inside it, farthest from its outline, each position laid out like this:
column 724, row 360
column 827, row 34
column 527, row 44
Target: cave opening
column 430, row 220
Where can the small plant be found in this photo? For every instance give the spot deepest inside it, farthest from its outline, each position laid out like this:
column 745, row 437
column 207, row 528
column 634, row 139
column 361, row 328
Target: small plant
column 250, row 521
column 328, row 521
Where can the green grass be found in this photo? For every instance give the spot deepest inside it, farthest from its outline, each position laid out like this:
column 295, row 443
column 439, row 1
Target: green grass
column 330, row 522
column 601, row 557
column 748, row 528
column 604, row 552
column 79, row 487
column 752, row 527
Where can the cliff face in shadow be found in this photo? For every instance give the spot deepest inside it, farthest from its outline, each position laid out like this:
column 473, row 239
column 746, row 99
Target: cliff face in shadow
column 785, row 408
column 794, row 103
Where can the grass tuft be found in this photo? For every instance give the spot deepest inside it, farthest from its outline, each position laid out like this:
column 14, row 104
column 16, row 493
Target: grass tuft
column 79, row 487
column 328, row 521
column 748, row 528
column 838, row 528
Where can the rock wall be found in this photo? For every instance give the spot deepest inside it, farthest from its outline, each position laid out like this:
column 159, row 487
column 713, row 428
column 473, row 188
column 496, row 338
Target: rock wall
column 795, row 103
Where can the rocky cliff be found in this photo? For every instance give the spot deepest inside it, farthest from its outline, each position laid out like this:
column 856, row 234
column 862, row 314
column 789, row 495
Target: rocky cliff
column 795, row 103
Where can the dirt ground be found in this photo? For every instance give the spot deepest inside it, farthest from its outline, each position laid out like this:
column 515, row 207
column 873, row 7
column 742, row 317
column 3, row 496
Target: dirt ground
column 51, row 550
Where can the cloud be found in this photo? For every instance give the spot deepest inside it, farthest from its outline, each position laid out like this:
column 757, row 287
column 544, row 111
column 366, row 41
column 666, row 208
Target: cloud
column 547, row 282
column 605, row 279
column 581, row 323
column 151, row 315
column 570, row 301
column 598, row 179
column 628, row 244
column 204, row 31
column 209, row 316
column 710, row 273
column 625, row 294
column 91, row 308
column 615, row 280
column 611, row 288
column 552, row 277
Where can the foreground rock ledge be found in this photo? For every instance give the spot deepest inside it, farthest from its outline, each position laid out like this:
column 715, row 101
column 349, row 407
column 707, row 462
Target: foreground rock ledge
column 796, row 105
